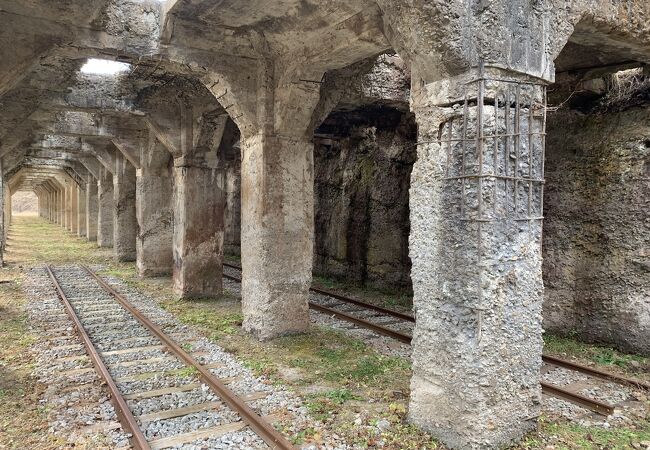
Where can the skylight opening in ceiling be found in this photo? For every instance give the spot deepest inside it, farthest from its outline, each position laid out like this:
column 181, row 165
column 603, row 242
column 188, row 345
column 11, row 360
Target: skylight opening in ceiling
column 104, row 67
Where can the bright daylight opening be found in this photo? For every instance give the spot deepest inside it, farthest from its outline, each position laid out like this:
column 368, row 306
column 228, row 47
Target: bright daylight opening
column 104, row 67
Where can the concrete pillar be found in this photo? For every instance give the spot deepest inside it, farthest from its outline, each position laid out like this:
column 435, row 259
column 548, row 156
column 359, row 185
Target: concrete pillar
column 105, row 200
column 3, row 206
column 475, row 245
column 57, row 205
column 61, row 215
column 198, row 229
column 232, row 209
column 125, row 224
column 92, row 209
column 74, row 211
column 81, row 211
column 68, row 206
column 277, row 233
column 154, row 190
column 7, row 210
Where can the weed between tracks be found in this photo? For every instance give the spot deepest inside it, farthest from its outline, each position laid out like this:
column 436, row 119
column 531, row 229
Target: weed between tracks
column 356, row 393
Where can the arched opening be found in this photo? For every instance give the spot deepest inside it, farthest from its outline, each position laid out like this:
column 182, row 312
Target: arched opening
column 24, row 203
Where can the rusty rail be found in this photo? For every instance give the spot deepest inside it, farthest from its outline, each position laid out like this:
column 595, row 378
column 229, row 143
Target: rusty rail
column 595, row 372
column 550, row 389
column 586, row 402
column 349, row 318
column 121, row 408
column 260, row 426
column 353, row 301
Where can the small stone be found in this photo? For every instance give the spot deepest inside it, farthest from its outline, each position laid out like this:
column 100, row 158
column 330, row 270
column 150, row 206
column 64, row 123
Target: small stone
column 383, row 424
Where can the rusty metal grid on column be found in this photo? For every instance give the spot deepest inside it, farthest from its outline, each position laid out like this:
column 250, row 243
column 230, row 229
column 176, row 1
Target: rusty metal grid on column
column 494, row 140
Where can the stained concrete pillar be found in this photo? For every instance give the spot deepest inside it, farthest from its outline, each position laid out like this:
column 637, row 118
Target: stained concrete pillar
column 232, row 208
column 3, row 206
column 68, row 206
column 125, row 224
column 277, row 189
column 475, row 246
column 61, row 220
column 154, row 190
column 81, row 210
column 277, row 233
column 92, row 209
column 57, row 219
column 74, row 208
column 198, row 228
column 105, row 201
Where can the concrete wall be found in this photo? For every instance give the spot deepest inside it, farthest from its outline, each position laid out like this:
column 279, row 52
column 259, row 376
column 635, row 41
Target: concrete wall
column 597, row 227
column 362, row 200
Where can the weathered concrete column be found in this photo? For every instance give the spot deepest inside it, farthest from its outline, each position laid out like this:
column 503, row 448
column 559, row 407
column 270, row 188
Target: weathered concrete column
column 92, row 209
column 198, row 229
column 154, row 190
column 276, row 233
column 232, row 208
column 277, row 189
column 475, row 245
column 74, row 207
column 125, row 224
column 68, row 206
column 105, row 200
column 81, row 211
column 61, row 220
column 57, row 215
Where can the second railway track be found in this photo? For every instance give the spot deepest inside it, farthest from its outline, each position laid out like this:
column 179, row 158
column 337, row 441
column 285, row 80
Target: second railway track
column 139, row 362
column 398, row 325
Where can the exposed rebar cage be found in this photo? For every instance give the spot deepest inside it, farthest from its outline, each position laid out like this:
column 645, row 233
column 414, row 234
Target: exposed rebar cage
column 495, row 150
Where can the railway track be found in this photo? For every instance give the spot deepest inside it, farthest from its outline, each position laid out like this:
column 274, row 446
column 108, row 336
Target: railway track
column 139, row 362
column 398, row 325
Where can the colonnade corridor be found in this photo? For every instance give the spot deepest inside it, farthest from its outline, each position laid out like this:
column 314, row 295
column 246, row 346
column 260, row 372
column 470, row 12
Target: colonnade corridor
column 351, row 385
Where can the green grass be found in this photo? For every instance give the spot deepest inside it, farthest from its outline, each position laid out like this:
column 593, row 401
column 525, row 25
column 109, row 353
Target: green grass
column 322, row 406
column 325, row 354
column 606, row 357
column 570, row 436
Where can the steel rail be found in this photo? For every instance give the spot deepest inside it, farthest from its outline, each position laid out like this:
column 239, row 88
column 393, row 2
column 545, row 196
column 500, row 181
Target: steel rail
column 260, row 426
column 546, row 358
column 389, row 312
column 124, row 414
column 589, row 403
column 595, row 372
column 549, row 389
column 349, row 318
